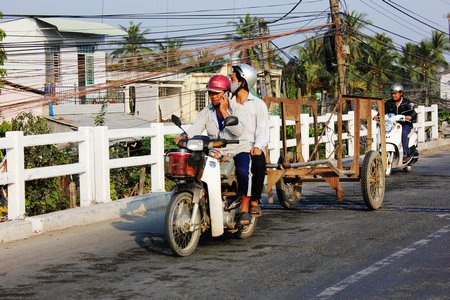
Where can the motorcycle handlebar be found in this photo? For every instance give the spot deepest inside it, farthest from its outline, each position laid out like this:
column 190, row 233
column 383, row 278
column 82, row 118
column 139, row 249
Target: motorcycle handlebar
column 232, row 141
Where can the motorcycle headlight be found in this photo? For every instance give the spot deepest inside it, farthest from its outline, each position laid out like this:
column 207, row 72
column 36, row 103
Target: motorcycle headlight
column 388, row 125
column 195, row 145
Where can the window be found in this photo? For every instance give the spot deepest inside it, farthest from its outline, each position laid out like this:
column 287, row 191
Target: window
column 52, row 64
column 200, row 100
column 86, row 65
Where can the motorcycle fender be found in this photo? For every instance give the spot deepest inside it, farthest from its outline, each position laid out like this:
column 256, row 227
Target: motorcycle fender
column 211, row 176
column 390, row 147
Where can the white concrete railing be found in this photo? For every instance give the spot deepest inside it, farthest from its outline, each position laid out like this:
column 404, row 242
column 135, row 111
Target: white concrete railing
column 94, row 164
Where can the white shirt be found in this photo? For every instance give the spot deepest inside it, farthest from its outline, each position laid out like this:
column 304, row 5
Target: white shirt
column 256, row 122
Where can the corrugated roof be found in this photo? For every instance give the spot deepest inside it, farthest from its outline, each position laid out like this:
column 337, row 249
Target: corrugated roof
column 69, row 25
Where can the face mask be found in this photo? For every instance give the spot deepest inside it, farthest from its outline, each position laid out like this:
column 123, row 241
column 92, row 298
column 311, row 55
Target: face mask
column 234, row 87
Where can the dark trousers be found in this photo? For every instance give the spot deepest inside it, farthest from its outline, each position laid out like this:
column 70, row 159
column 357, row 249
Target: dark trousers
column 258, row 170
column 242, row 164
column 406, row 129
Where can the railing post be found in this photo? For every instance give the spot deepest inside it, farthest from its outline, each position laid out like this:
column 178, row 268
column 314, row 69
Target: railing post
column 101, row 165
column 85, row 150
column 329, row 134
column 351, row 139
column 304, row 120
column 274, row 138
column 16, row 164
column 157, row 153
column 435, row 120
column 421, row 122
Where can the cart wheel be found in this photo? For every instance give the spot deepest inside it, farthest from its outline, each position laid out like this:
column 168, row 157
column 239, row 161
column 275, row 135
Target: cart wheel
column 289, row 192
column 372, row 180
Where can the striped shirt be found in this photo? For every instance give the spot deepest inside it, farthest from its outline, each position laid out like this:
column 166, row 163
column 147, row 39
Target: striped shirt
column 207, row 120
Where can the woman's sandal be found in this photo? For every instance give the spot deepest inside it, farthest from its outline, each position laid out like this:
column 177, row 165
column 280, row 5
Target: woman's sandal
column 255, row 210
column 245, row 218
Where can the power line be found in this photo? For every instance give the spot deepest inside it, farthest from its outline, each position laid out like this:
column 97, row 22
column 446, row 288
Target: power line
column 412, row 17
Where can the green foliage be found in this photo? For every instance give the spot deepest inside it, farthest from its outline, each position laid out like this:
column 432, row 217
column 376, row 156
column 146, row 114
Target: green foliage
column 2, row 50
column 42, row 195
column 99, row 119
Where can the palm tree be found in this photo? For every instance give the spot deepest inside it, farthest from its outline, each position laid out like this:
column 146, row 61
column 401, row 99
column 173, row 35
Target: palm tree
column 247, row 29
column 133, row 52
column 210, row 66
column 378, row 63
column 424, row 60
column 169, row 53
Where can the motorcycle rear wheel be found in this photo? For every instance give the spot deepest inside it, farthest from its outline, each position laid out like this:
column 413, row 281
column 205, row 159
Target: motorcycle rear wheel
column 178, row 215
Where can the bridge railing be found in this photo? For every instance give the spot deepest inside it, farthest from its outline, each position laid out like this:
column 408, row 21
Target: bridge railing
column 94, row 163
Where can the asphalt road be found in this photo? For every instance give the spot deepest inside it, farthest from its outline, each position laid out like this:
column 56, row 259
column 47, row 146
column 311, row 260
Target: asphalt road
column 322, row 250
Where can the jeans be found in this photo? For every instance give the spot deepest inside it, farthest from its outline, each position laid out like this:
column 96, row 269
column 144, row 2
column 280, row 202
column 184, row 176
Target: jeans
column 406, row 129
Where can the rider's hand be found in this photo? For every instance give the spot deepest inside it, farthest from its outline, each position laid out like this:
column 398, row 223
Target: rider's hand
column 408, row 118
column 224, row 104
column 255, row 151
column 177, row 139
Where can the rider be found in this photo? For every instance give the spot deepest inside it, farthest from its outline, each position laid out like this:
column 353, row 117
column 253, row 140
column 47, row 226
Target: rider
column 243, row 79
column 211, row 119
column 401, row 106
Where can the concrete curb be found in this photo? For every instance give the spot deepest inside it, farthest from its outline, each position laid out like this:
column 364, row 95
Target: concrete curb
column 433, row 144
column 22, row 229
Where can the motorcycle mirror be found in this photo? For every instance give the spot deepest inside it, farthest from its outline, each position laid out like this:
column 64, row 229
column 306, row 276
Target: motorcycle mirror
column 176, row 120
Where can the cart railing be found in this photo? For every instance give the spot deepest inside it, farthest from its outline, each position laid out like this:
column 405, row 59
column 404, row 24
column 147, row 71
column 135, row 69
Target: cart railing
column 427, row 121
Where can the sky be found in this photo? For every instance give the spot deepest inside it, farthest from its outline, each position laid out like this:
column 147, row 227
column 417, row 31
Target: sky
column 175, row 18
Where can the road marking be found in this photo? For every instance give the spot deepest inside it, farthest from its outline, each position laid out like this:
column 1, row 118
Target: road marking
column 333, row 290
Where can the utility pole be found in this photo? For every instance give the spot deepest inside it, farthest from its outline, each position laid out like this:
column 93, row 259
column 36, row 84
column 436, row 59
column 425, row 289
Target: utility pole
column 265, row 54
column 340, row 55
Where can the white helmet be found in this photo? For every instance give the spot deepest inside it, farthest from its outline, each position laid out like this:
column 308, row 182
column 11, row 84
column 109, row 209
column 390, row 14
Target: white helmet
column 247, row 73
column 396, row 87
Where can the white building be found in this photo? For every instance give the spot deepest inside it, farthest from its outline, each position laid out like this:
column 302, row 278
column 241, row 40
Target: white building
column 444, row 79
column 55, row 54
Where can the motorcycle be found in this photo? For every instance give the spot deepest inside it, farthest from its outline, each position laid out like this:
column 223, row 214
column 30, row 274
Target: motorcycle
column 394, row 148
column 205, row 195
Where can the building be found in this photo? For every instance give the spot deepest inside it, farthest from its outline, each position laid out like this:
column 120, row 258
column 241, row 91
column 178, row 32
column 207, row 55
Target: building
column 56, row 55
column 444, row 81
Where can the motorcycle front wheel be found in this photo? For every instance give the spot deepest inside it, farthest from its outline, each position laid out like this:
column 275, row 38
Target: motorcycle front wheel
column 390, row 159
column 177, row 223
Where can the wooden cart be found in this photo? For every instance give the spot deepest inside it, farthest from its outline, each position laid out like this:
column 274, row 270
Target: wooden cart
column 289, row 174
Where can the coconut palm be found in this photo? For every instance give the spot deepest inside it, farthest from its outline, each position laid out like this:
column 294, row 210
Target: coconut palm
column 379, row 62
column 133, row 51
column 169, row 53
column 247, row 29
column 424, row 60
column 210, row 66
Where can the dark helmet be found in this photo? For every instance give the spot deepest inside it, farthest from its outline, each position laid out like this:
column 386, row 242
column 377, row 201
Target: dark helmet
column 218, row 83
column 247, row 73
column 396, row 87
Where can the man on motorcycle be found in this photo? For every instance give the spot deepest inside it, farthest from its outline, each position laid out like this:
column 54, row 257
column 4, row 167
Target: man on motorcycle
column 243, row 79
column 401, row 106
column 211, row 119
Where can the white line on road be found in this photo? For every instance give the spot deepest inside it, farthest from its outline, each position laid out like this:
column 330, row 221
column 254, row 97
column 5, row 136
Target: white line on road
column 333, row 290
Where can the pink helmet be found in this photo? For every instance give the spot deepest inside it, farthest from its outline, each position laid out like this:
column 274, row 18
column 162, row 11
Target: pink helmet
column 218, row 83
